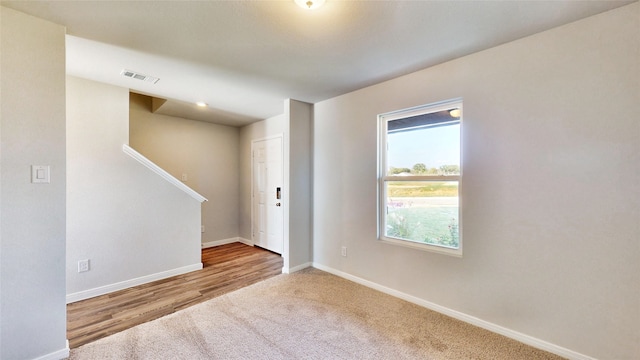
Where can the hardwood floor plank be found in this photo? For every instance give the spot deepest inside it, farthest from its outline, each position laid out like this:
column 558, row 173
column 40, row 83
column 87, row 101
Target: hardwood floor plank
column 225, row 268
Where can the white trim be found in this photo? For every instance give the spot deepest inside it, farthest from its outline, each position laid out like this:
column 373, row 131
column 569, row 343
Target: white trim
column 420, row 109
column 165, row 175
column 56, row 355
column 440, row 178
column 518, row 336
column 268, row 137
column 215, row 243
column 383, row 178
column 296, row 268
column 284, row 190
column 210, row 244
column 86, row 294
column 245, row 241
column 422, row 246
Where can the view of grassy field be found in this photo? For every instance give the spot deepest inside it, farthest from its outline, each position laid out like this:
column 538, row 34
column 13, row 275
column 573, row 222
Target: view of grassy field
column 422, row 188
column 423, row 211
column 432, row 225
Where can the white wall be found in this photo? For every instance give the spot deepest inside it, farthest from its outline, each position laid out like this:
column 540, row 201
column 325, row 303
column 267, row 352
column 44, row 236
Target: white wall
column 551, row 161
column 207, row 153
column 258, row 130
column 298, row 184
column 295, row 125
column 32, row 236
column 128, row 221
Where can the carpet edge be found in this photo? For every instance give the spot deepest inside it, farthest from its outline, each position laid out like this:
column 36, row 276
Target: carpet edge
column 487, row 325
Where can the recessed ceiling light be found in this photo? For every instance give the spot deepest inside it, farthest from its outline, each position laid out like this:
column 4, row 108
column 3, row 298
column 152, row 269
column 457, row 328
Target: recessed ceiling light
column 201, row 104
column 309, row 4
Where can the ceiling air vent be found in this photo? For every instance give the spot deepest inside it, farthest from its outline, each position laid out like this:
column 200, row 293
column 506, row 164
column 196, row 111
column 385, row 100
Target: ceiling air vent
column 135, row 75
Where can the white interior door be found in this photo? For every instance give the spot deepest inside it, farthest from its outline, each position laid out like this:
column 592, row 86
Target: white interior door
column 268, row 221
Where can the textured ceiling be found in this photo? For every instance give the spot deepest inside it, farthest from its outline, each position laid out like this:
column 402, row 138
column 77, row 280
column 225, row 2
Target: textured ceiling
column 244, row 58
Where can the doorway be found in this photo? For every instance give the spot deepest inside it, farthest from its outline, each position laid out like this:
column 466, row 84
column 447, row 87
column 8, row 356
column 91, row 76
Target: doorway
column 267, row 220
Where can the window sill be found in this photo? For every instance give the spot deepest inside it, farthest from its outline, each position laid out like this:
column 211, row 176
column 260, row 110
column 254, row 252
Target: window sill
column 423, row 246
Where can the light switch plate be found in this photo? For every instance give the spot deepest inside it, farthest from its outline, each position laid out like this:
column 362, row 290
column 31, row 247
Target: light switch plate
column 40, row 174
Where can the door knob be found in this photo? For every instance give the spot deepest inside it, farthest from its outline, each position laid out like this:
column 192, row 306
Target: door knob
column 277, row 204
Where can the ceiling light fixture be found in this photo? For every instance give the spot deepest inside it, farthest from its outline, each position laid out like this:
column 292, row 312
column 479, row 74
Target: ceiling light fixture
column 201, row 104
column 309, row 4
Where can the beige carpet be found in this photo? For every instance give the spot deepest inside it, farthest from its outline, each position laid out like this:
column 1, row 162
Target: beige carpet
column 307, row 315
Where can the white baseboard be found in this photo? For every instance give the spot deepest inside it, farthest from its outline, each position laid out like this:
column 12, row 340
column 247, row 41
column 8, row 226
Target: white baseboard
column 56, row 355
column 210, row 244
column 523, row 338
column 226, row 241
column 296, row 268
column 86, row 294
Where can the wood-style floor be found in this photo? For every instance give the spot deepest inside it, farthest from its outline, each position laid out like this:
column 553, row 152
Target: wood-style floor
column 225, row 268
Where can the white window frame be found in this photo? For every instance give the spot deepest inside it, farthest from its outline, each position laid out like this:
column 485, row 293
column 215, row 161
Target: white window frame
column 383, row 178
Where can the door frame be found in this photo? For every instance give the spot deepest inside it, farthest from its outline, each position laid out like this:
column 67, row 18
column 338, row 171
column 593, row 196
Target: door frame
column 283, row 190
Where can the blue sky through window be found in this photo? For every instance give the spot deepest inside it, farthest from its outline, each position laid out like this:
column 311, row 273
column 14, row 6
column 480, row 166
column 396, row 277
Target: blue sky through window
column 433, row 147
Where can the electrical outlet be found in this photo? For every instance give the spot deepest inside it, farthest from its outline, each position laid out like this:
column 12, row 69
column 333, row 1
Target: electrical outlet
column 185, row 177
column 344, row 251
column 83, row 265
column 202, row 228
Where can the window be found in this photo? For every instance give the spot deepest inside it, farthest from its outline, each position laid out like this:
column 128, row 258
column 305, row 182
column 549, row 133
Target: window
column 420, row 176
